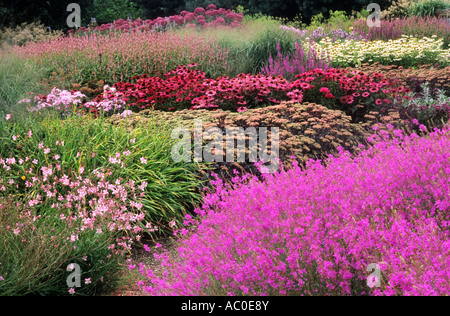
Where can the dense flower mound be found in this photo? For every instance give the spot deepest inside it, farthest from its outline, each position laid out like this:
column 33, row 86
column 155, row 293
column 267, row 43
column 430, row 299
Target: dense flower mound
column 86, row 203
column 200, row 17
column 189, row 88
column 315, row 231
column 353, row 92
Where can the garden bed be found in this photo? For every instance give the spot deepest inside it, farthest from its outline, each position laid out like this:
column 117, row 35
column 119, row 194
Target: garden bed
column 340, row 159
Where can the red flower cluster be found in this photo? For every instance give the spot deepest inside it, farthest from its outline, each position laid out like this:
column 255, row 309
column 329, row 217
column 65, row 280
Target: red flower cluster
column 357, row 92
column 186, row 87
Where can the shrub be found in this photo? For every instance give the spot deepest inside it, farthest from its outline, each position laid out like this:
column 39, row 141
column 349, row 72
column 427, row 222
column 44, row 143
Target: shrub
column 315, row 231
column 428, row 7
column 305, row 130
column 398, row 9
column 27, row 32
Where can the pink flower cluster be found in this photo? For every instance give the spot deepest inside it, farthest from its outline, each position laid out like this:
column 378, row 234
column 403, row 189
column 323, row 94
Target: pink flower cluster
column 200, row 17
column 61, row 100
column 108, row 103
column 87, row 203
column 316, row 230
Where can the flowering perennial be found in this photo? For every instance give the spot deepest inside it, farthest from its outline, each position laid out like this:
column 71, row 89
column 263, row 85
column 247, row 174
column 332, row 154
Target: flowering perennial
column 200, row 17
column 315, row 231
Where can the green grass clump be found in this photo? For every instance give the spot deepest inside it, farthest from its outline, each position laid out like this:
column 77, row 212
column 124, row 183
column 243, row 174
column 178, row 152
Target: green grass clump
column 250, row 45
column 18, row 77
column 173, row 188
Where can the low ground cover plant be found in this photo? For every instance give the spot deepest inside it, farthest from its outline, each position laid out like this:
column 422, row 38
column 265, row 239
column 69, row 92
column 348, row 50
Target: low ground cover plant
column 286, row 235
column 306, row 130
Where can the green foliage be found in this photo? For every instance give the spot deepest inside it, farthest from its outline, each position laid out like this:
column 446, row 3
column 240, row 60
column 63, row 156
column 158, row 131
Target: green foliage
column 428, row 7
column 106, row 11
column 317, row 20
column 50, row 13
column 18, row 77
column 296, row 22
column 363, row 14
column 160, row 8
column 307, row 130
